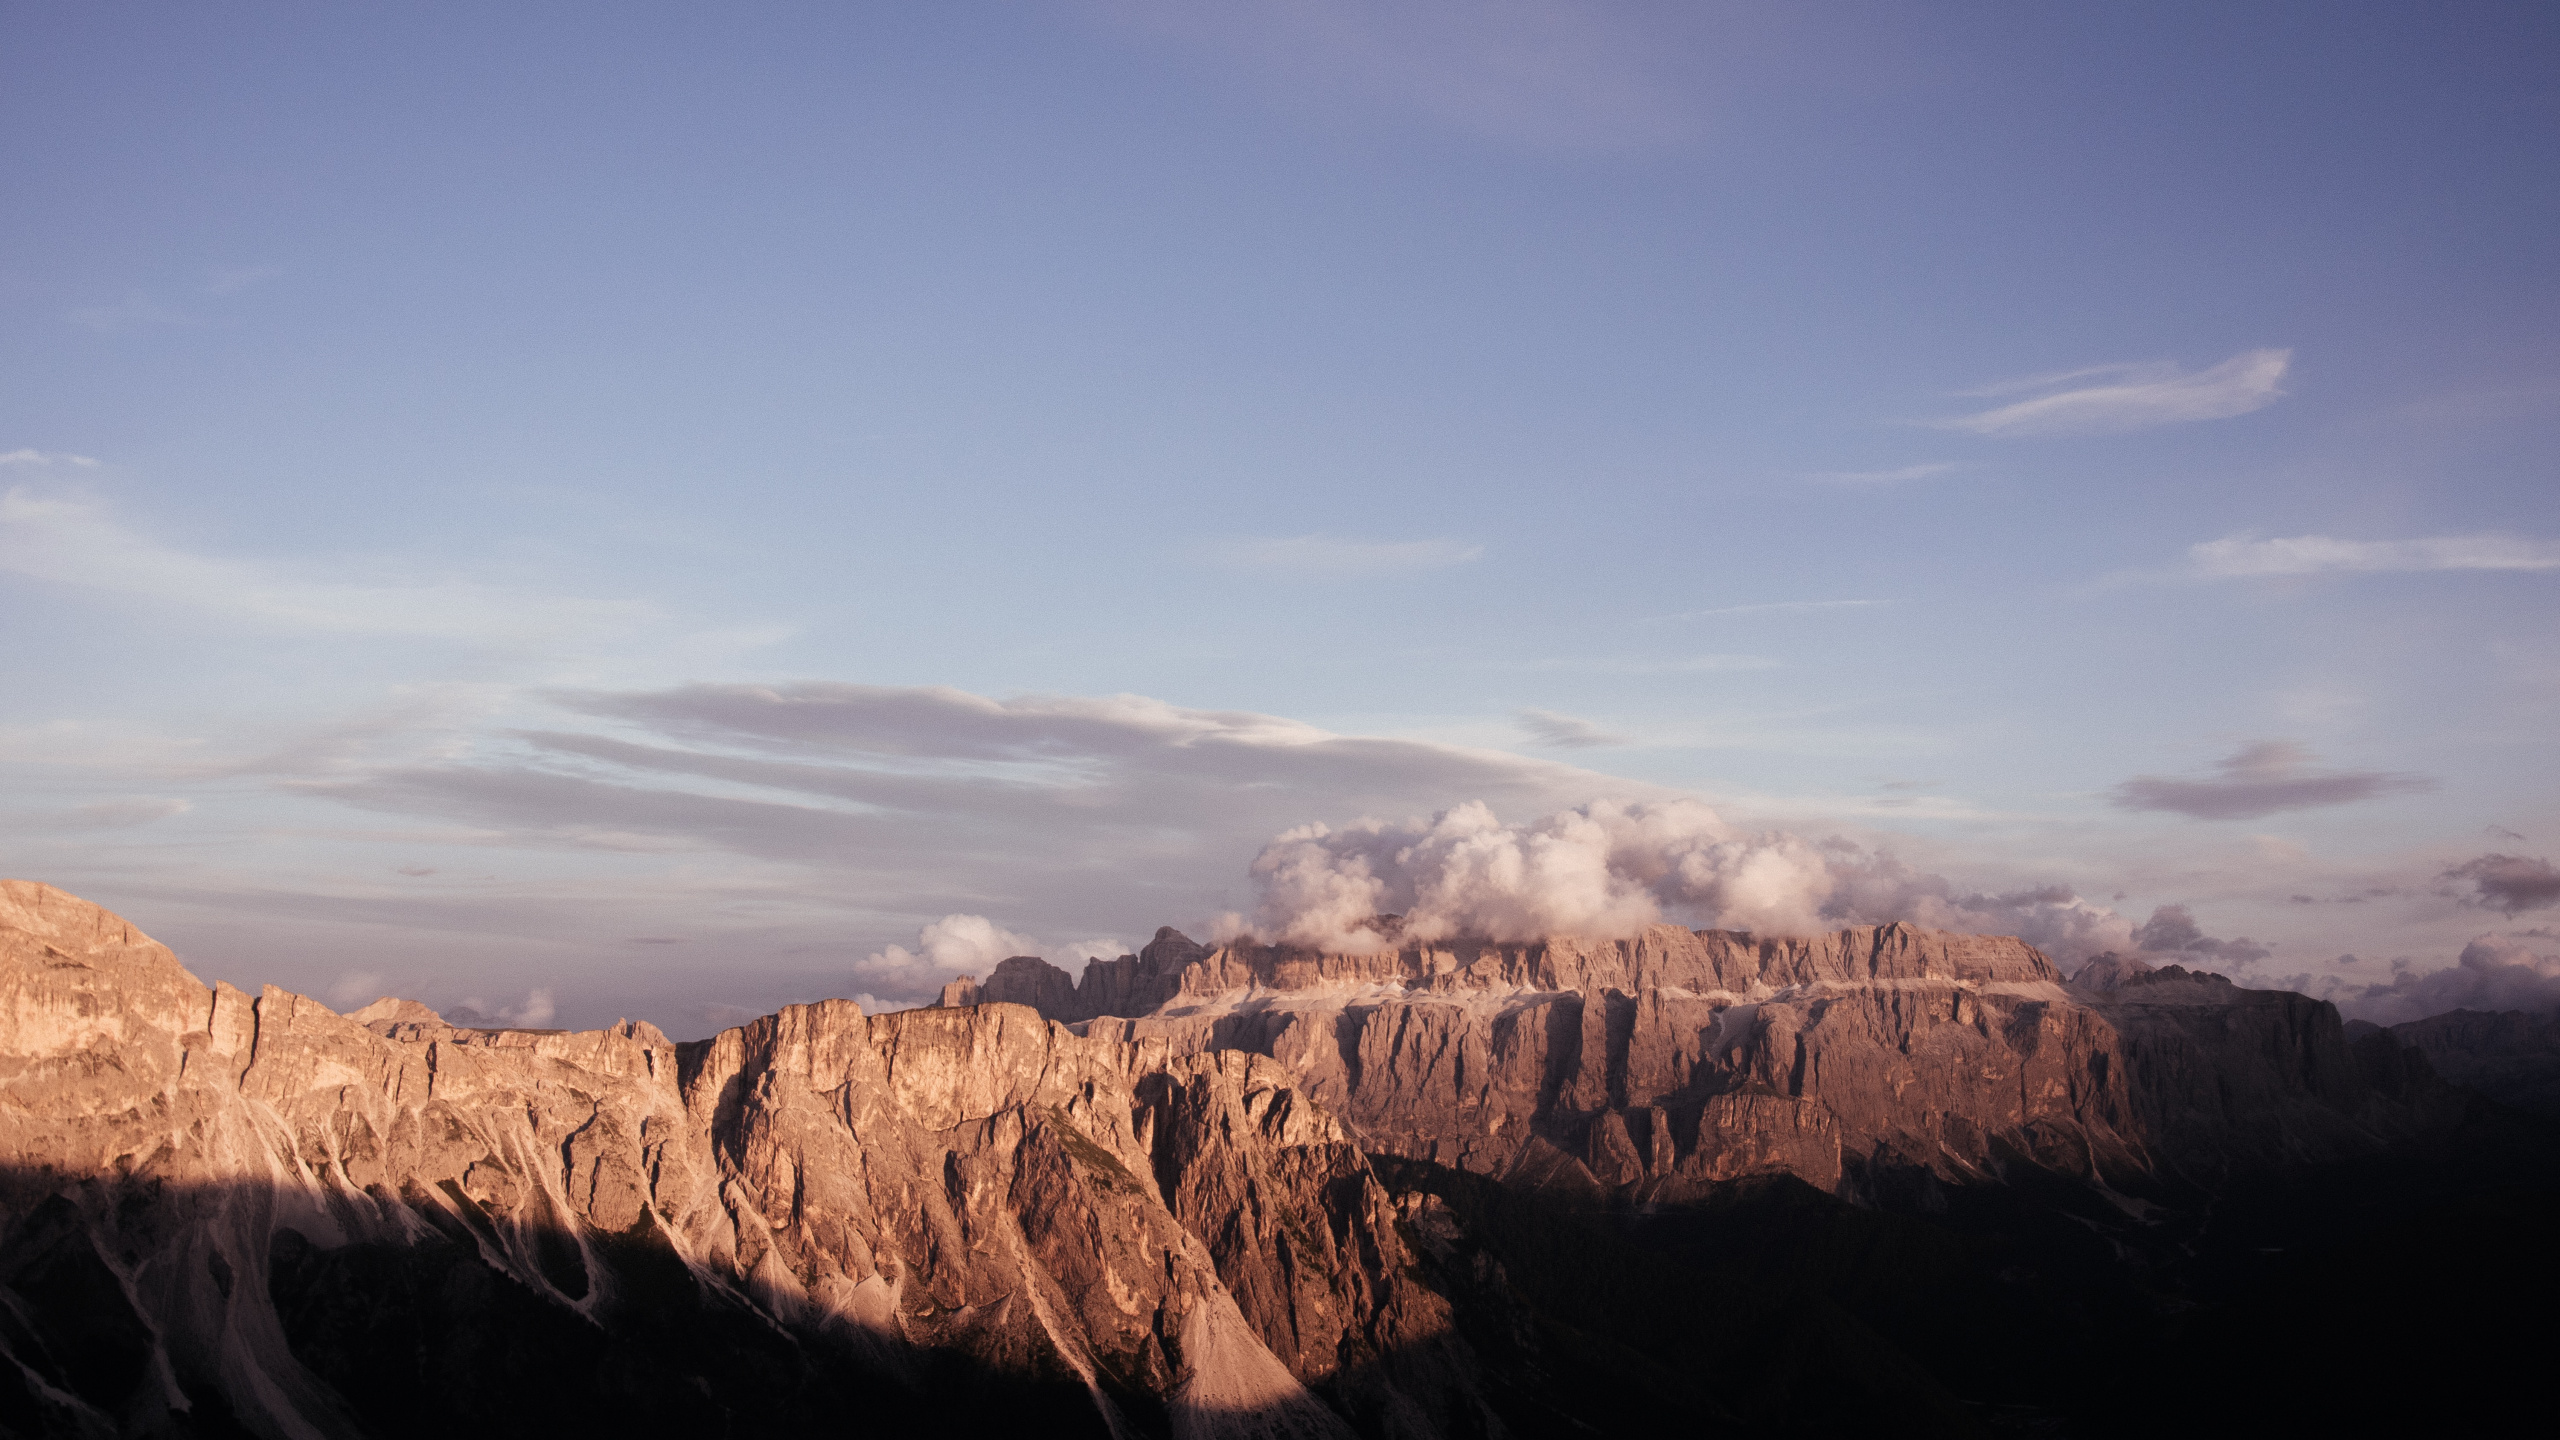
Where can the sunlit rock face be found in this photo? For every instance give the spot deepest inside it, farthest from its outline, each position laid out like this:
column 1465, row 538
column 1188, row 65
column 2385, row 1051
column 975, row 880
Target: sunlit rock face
column 1153, row 1210
column 1664, row 1064
column 304, row 1223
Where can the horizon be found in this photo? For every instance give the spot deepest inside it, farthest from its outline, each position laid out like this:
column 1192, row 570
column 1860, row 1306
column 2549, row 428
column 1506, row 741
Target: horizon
column 636, row 512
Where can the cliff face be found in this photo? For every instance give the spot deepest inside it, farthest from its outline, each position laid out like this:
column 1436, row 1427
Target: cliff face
column 1664, row 1065
column 212, row 1195
column 228, row 1214
column 2509, row 1055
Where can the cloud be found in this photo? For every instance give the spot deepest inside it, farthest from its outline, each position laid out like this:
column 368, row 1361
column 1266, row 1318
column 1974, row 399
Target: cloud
column 948, row 947
column 1636, row 665
column 1546, row 727
column 233, row 280
column 1882, row 477
column 535, row 1011
column 354, row 989
column 1766, row 607
column 135, row 311
column 2493, row 973
column 2135, row 397
column 121, row 814
column 2172, row 929
column 1336, row 554
column 2239, row 557
column 820, row 832
column 73, row 542
column 30, row 459
column 2510, row 883
column 2261, row 779
column 886, row 808
column 1607, row 869
column 1541, row 75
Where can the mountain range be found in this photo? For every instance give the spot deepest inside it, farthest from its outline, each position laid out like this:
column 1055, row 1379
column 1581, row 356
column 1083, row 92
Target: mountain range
column 1681, row 1182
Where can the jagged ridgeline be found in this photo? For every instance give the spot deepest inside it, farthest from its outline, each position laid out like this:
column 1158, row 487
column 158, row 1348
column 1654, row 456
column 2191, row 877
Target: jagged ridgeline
column 1687, row 1183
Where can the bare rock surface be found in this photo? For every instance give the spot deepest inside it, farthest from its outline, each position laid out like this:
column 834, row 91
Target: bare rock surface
column 877, row 1211
column 1666, row 1064
column 2509, row 1055
column 1146, row 1203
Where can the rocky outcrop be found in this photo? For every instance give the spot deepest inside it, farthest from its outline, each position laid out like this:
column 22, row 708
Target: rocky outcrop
column 1144, row 1204
column 228, row 1210
column 2512, row 1056
column 1667, row 1064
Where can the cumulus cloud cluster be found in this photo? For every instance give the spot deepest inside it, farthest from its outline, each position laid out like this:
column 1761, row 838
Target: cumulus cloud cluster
column 947, row 947
column 963, row 944
column 2172, row 930
column 2494, row 973
column 1607, row 869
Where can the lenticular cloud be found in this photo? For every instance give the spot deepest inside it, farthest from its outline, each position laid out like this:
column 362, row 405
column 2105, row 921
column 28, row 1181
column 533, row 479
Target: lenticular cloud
column 1607, row 869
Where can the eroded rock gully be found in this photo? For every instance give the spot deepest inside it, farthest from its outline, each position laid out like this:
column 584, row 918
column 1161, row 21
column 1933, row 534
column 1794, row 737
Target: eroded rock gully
column 1149, row 1211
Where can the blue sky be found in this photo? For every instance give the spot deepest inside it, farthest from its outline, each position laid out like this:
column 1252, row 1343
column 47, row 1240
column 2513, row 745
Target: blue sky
column 2105, row 449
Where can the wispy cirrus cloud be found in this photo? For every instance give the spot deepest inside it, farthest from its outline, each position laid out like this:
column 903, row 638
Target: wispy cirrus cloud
column 2243, row 557
column 2130, row 397
column 1565, row 732
column 1766, row 607
column 76, row 542
column 2257, row 780
column 1883, row 477
column 1649, row 665
column 120, row 814
column 39, row 460
column 1339, row 554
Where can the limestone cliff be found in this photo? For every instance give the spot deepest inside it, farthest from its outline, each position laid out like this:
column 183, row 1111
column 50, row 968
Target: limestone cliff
column 1147, row 1204
column 210, row 1195
column 1677, row 1060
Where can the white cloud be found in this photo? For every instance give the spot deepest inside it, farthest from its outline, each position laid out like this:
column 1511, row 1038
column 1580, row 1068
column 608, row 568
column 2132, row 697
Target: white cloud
column 535, row 1011
column 73, row 542
column 1883, row 477
column 1608, row 868
column 2134, row 397
column 1340, row 554
column 355, row 989
column 950, row 946
column 2240, row 557
column 32, row 459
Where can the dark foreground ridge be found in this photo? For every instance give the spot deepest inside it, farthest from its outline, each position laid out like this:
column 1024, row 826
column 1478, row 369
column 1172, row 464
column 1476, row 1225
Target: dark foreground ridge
column 1692, row 1184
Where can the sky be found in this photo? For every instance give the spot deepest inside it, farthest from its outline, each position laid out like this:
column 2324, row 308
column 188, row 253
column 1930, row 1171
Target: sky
column 579, row 511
